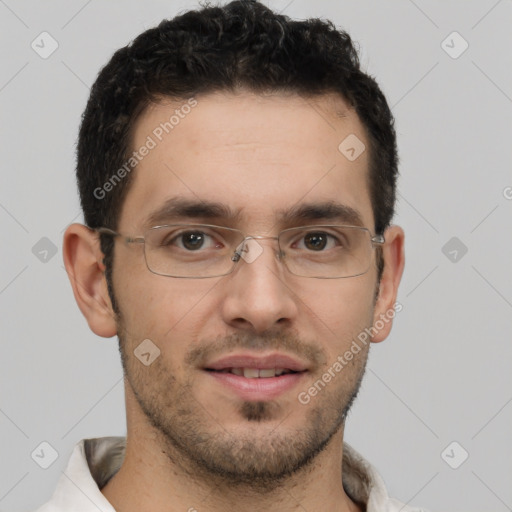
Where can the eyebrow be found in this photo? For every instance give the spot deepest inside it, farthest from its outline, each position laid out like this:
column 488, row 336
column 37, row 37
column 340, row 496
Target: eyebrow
column 177, row 208
column 329, row 210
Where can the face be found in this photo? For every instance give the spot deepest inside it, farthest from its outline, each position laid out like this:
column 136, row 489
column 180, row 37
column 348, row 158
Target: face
column 260, row 160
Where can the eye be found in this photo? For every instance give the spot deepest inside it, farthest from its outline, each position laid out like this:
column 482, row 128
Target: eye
column 190, row 241
column 317, row 241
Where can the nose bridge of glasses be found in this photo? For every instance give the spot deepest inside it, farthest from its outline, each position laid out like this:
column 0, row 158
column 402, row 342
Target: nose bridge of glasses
column 260, row 237
column 249, row 248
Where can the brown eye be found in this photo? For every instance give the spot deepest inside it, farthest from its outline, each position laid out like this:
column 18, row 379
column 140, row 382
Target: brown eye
column 315, row 241
column 192, row 240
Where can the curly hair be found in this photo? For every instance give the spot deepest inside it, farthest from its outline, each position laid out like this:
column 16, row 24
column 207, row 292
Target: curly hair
column 243, row 44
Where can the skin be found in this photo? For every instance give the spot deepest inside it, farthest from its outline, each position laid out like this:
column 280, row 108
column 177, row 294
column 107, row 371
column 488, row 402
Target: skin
column 256, row 154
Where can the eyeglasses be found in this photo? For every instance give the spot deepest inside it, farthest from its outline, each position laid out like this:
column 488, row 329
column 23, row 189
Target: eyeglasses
column 203, row 250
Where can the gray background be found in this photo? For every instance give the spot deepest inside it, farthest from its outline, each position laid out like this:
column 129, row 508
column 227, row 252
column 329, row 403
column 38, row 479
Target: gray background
column 443, row 375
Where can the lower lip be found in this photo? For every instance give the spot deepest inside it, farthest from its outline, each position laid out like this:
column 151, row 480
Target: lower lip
column 262, row 388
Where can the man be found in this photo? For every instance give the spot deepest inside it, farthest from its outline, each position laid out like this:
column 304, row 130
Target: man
column 237, row 175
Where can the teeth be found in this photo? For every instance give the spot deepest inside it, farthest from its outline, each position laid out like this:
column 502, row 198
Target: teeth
column 251, row 373
column 254, row 373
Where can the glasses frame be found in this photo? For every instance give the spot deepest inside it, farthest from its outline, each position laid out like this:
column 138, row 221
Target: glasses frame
column 375, row 240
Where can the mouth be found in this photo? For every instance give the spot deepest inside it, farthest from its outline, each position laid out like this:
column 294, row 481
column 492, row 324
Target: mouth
column 255, row 373
column 255, row 377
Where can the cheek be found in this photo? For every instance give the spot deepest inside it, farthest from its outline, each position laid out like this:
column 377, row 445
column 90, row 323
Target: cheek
column 341, row 309
column 169, row 312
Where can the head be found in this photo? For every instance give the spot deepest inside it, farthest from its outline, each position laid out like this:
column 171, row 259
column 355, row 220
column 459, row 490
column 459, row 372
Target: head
column 235, row 114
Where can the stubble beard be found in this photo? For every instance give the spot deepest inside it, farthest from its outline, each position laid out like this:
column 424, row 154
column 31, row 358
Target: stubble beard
column 259, row 458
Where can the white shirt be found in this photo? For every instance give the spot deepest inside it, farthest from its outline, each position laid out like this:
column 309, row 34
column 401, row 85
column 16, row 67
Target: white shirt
column 94, row 461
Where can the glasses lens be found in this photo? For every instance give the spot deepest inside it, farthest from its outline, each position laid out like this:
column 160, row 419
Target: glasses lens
column 191, row 250
column 326, row 251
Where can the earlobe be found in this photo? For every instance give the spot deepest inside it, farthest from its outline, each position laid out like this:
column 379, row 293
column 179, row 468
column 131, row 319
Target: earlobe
column 394, row 261
column 83, row 260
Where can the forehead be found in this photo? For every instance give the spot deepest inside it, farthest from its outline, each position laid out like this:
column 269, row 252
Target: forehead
column 258, row 155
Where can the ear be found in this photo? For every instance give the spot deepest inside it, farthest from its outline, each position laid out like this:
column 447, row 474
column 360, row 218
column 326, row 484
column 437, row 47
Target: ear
column 83, row 260
column 394, row 261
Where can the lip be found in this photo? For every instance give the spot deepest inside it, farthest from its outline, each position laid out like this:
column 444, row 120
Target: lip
column 274, row 360
column 263, row 388
column 259, row 388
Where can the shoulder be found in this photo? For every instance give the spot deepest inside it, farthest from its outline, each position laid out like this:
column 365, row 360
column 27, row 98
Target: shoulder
column 363, row 483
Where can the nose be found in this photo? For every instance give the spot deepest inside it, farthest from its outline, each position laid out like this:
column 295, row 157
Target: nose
column 257, row 296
